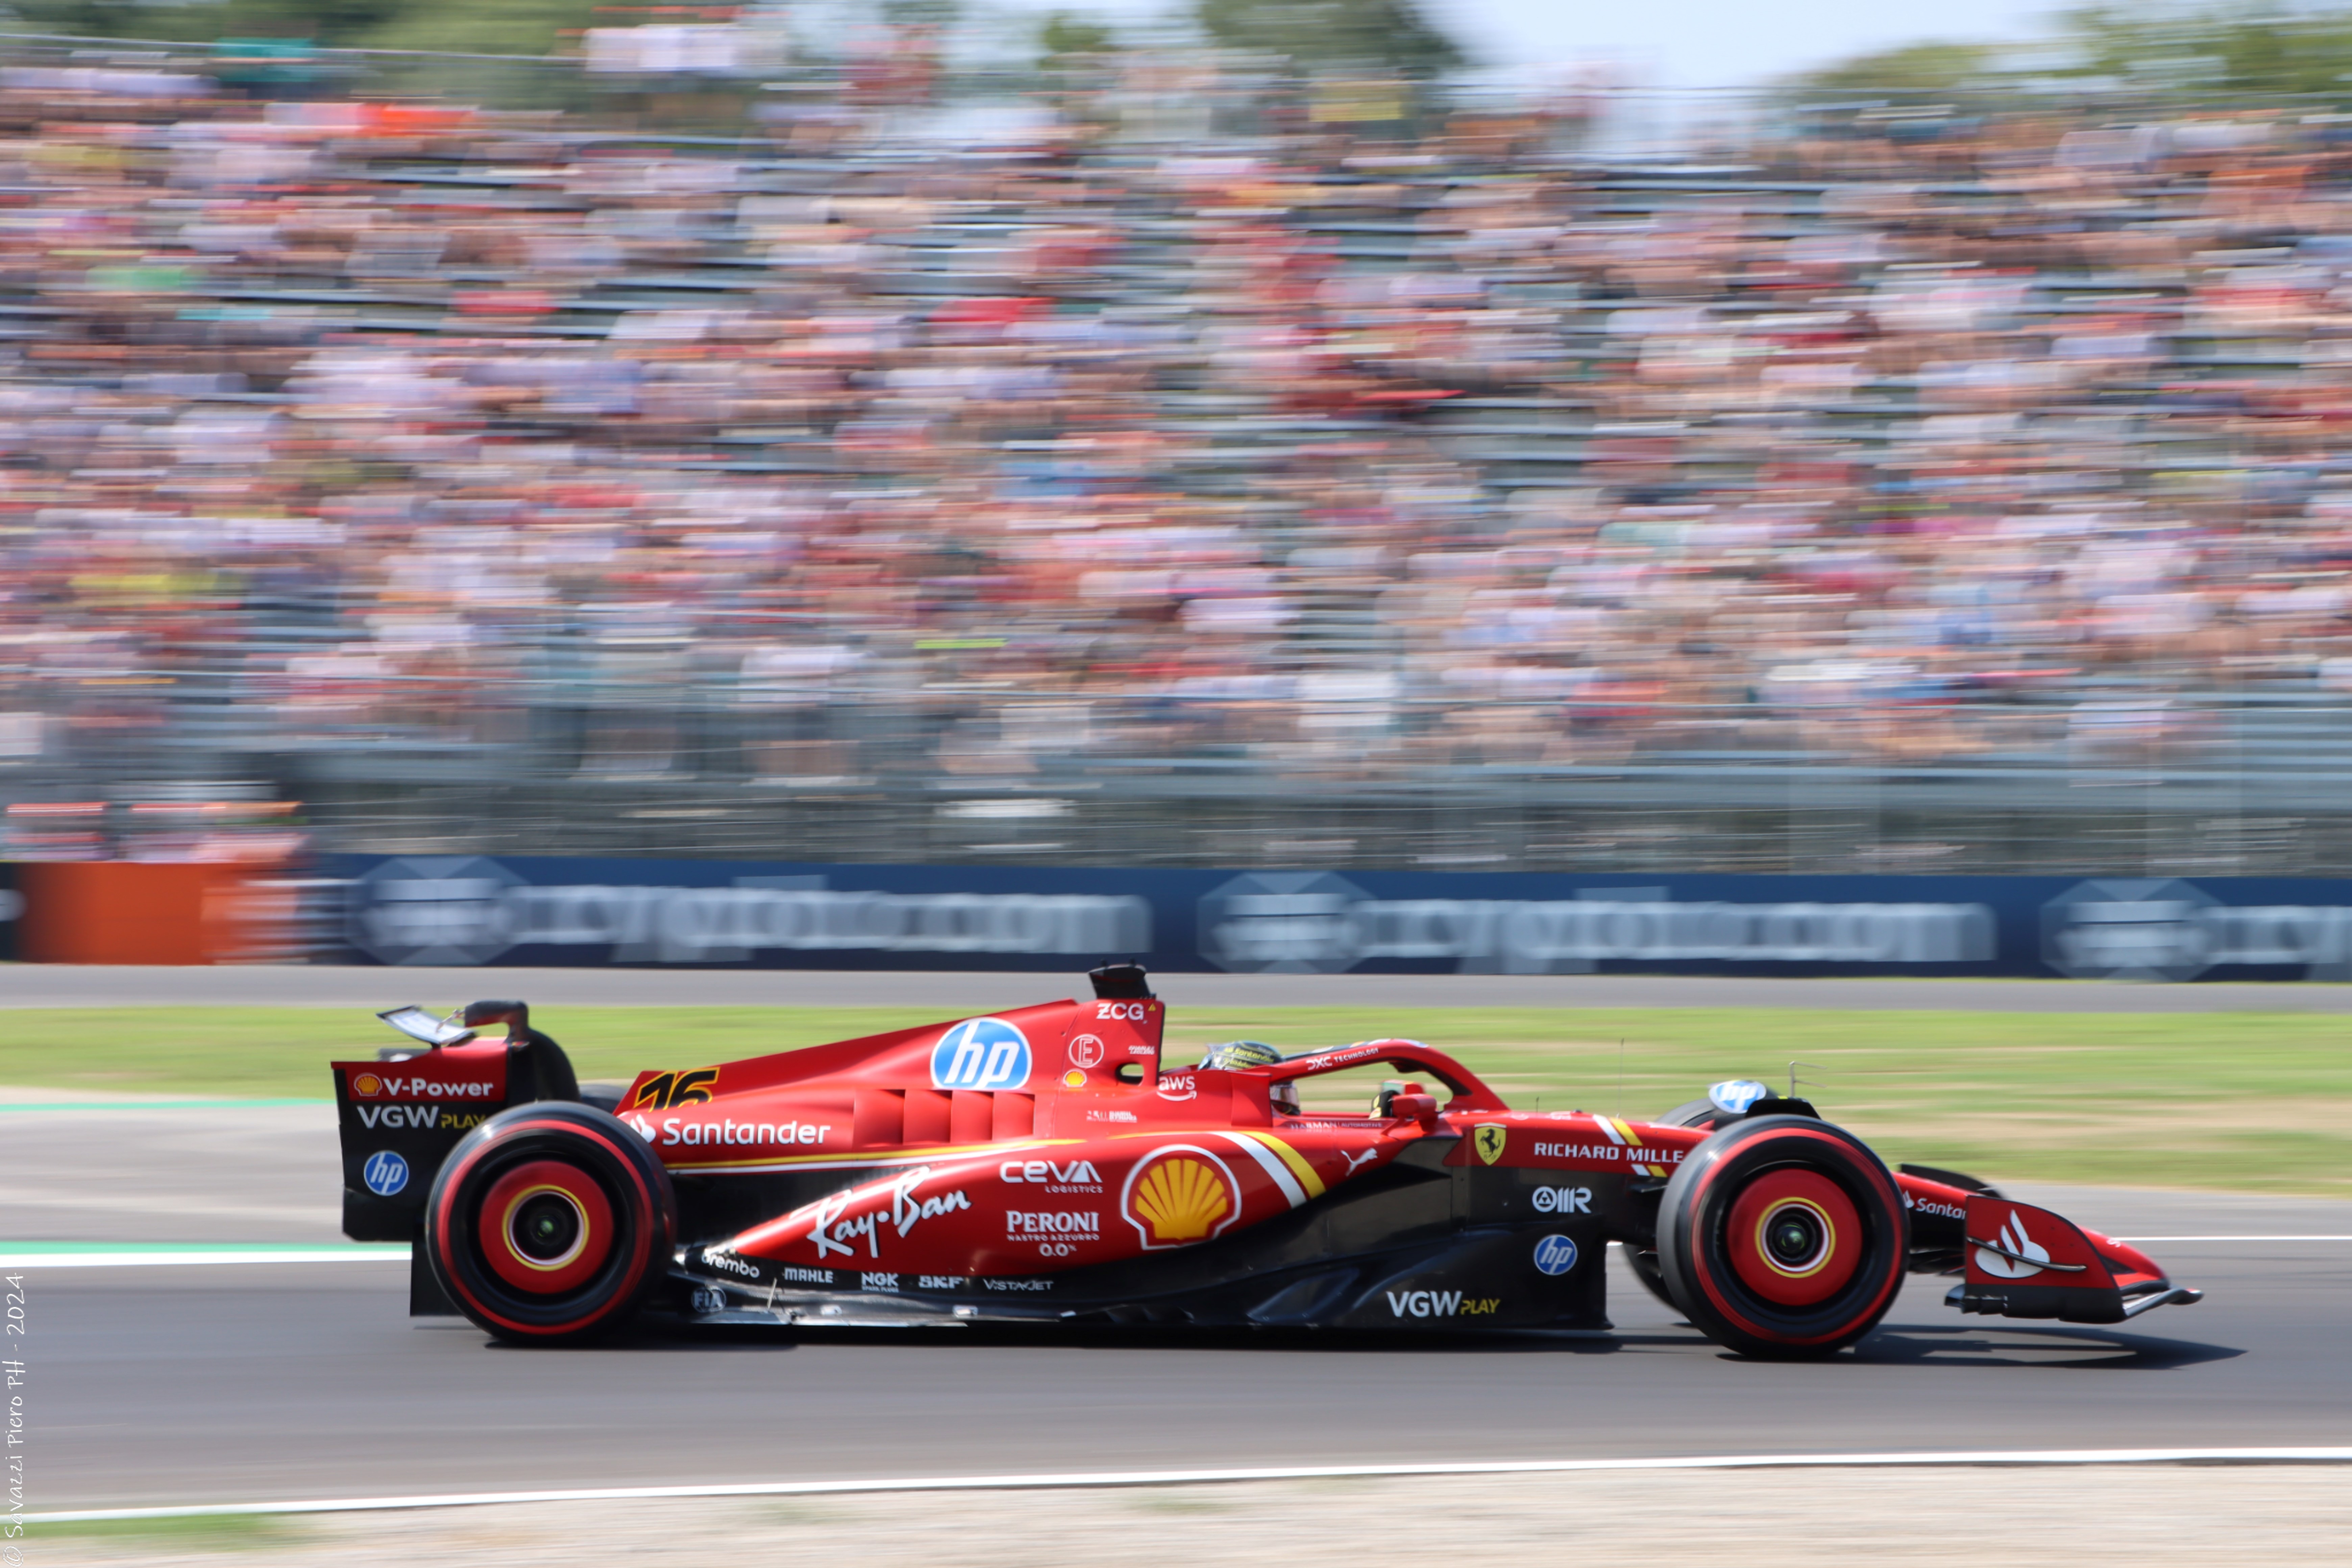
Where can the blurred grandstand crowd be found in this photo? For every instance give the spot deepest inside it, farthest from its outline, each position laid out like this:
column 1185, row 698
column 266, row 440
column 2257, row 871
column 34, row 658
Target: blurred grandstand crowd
column 1307, row 437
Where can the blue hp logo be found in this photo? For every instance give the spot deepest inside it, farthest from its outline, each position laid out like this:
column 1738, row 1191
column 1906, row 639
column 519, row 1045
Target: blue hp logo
column 980, row 1053
column 1736, row 1097
column 386, row 1172
column 1555, row 1255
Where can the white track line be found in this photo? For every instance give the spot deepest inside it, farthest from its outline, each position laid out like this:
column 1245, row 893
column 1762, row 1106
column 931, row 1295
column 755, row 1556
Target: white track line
column 2136, row 1240
column 191, row 1259
column 1099, row 1478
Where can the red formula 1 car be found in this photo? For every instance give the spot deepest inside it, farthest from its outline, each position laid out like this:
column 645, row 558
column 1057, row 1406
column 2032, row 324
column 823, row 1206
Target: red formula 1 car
column 1041, row 1164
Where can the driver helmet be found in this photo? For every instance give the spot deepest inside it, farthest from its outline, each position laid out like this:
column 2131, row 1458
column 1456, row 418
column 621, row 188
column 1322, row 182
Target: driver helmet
column 1254, row 1054
column 1236, row 1054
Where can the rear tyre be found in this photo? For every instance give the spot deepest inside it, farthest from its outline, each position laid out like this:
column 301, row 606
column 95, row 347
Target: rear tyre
column 1782, row 1237
column 1644, row 1260
column 549, row 1224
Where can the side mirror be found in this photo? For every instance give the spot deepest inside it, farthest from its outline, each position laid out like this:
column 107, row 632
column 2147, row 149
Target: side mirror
column 1421, row 1107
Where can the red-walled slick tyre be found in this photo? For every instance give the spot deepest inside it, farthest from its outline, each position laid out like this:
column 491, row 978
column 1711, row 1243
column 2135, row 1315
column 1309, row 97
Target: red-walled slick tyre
column 1644, row 1260
column 1782, row 1237
column 549, row 1223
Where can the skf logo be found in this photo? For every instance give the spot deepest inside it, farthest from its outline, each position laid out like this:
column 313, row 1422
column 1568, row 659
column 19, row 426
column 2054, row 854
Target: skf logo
column 1181, row 1195
column 1489, row 1140
column 1439, row 1304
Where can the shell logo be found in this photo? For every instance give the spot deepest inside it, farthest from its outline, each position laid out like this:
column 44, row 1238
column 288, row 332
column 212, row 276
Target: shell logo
column 367, row 1086
column 1181, row 1195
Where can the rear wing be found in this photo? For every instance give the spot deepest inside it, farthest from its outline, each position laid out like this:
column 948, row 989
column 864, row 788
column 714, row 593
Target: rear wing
column 400, row 1115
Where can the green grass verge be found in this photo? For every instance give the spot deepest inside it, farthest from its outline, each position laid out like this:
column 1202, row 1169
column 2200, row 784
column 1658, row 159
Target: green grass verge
column 225, row 1532
column 2256, row 1101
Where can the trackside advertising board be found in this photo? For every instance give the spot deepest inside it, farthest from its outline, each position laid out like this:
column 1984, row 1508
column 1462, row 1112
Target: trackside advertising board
column 475, row 909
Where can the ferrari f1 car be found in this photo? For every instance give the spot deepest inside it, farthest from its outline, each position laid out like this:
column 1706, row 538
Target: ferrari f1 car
column 1043, row 1164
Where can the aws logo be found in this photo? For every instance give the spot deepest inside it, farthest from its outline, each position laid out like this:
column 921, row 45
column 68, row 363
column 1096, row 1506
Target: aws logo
column 1440, row 1304
column 1181, row 1195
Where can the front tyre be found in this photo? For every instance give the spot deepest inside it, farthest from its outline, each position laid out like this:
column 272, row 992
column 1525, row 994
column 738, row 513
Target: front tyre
column 549, row 1223
column 1782, row 1237
column 1644, row 1260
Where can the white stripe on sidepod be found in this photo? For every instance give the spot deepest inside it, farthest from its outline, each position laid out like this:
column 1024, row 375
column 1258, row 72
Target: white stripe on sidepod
column 2023, row 1457
column 1270, row 1162
column 2136, row 1240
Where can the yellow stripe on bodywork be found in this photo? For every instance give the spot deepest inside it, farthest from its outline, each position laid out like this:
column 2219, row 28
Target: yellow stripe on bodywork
column 1309, row 1182
column 1633, row 1139
column 1292, row 1158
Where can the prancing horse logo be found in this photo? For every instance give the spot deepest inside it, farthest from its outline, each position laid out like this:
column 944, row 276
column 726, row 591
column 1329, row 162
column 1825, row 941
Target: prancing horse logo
column 1489, row 1141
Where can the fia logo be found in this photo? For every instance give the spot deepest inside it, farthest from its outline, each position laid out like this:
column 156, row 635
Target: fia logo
column 980, row 1053
column 386, row 1174
column 1489, row 1141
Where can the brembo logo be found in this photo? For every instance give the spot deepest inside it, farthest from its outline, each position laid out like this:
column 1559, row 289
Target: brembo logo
column 732, row 1265
column 2030, row 1255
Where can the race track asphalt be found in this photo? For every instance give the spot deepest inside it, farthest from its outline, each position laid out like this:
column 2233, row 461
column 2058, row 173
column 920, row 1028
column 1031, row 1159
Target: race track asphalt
column 187, row 1386
column 208, row 1384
